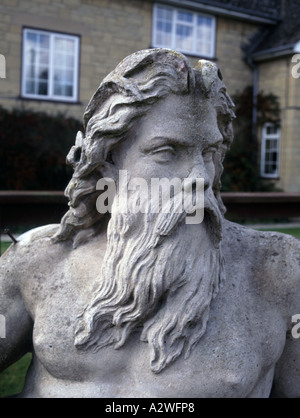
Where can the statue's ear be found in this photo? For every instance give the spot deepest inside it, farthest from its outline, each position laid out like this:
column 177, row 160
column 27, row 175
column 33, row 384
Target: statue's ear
column 74, row 155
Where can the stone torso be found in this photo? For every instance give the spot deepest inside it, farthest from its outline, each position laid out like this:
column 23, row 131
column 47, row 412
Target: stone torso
column 234, row 358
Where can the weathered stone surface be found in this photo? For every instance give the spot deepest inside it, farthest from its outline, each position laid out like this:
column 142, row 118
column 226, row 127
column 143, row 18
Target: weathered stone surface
column 143, row 304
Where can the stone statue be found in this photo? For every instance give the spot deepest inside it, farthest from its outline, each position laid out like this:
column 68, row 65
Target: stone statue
column 142, row 303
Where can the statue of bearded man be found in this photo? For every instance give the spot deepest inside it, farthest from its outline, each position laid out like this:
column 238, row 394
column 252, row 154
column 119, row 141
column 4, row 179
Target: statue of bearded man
column 139, row 301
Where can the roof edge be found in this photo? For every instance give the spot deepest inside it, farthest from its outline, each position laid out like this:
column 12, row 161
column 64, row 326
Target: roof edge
column 276, row 52
column 242, row 14
column 297, row 47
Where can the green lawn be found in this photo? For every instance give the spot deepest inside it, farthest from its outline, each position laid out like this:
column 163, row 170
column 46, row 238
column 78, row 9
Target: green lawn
column 12, row 379
column 4, row 246
column 291, row 231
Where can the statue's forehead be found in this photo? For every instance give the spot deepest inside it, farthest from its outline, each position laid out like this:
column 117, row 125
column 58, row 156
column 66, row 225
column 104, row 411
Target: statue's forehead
column 182, row 110
column 185, row 119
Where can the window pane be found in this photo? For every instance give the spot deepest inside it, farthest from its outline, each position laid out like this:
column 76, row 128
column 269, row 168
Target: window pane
column 42, row 49
column 29, row 88
column 164, row 35
column 270, row 150
column 185, row 17
column 36, row 63
column 57, row 75
column 204, row 35
column 58, row 89
column 65, row 45
column 70, row 61
column 29, row 66
column 266, row 170
column 69, row 90
column 274, row 143
column 274, row 157
column 69, row 76
column 31, row 57
column 31, row 37
column 270, row 130
column 274, row 162
column 163, row 27
column 63, row 90
column 183, row 30
column 63, row 72
column 43, row 73
column 61, row 81
column 43, row 57
column 204, row 21
column 44, row 41
column 59, row 60
column 43, row 88
column 268, row 145
column 164, row 13
column 184, row 37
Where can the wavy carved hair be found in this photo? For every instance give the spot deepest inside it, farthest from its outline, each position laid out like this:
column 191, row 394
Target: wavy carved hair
column 138, row 82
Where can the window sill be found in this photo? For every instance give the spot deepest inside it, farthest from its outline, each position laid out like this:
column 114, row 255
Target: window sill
column 36, row 99
column 269, row 178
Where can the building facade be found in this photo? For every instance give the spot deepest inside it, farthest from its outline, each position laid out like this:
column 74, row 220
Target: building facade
column 55, row 54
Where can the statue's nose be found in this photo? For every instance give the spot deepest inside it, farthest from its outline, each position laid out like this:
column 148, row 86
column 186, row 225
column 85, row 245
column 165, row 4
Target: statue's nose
column 199, row 171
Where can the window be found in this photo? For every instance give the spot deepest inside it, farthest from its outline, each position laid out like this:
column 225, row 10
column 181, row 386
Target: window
column 50, row 66
column 183, row 30
column 270, row 150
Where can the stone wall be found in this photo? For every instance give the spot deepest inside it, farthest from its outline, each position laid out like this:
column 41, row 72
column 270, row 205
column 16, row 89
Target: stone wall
column 109, row 31
column 275, row 76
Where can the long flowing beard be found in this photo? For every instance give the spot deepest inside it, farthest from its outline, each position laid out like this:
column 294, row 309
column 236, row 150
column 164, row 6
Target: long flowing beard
column 160, row 274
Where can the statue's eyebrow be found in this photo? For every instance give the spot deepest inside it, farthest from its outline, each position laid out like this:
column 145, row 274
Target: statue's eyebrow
column 161, row 140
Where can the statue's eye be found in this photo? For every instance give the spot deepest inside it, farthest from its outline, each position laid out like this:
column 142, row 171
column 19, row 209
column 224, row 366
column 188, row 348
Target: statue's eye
column 164, row 153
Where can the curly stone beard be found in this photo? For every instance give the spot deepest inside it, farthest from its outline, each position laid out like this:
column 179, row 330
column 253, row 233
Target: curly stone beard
column 160, row 274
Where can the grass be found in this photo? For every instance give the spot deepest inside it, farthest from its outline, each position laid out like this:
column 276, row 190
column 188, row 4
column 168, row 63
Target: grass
column 12, row 379
column 4, row 246
column 290, row 231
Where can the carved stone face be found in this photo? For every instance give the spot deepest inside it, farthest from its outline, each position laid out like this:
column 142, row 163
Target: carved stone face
column 138, row 284
column 177, row 137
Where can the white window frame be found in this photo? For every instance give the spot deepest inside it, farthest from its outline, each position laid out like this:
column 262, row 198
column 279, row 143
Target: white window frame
column 264, row 138
column 173, row 45
column 75, row 82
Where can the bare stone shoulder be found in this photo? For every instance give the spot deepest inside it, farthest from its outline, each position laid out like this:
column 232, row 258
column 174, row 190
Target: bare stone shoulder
column 272, row 257
column 26, row 253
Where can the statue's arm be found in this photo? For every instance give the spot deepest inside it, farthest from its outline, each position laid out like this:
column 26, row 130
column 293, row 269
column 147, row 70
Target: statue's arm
column 287, row 373
column 15, row 322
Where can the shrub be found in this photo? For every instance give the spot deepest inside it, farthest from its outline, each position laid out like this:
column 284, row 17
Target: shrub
column 241, row 165
column 33, row 149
